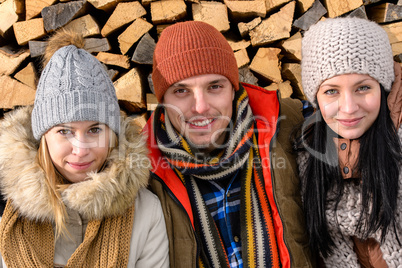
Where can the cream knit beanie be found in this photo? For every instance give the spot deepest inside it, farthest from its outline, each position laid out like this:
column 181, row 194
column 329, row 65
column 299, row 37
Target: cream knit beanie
column 343, row 46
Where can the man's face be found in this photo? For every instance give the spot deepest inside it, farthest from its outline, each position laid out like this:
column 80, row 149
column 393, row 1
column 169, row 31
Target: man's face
column 200, row 109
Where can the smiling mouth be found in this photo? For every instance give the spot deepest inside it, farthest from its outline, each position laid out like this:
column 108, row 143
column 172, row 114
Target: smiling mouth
column 80, row 166
column 350, row 122
column 201, row 123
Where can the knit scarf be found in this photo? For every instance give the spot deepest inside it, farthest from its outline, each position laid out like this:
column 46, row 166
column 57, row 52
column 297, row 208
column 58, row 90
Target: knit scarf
column 28, row 243
column 259, row 246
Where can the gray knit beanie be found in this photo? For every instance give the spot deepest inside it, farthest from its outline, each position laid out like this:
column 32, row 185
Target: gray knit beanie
column 343, row 46
column 74, row 86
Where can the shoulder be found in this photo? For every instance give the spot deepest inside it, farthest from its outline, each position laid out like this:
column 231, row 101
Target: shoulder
column 145, row 201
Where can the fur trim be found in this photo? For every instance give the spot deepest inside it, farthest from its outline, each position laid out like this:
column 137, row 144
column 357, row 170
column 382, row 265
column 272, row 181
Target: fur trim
column 61, row 39
column 110, row 192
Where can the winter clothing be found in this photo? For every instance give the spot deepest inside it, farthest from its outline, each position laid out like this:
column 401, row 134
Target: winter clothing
column 176, row 53
column 74, row 86
column 343, row 46
column 351, row 250
column 239, row 157
column 278, row 181
column 102, row 206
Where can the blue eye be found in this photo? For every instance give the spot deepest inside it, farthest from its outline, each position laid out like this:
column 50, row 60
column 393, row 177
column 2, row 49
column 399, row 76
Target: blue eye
column 363, row 88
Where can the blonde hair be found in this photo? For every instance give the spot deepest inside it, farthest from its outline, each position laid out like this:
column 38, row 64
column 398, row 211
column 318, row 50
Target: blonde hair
column 56, row 183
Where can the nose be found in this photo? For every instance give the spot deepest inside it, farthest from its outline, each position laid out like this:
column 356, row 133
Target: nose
column 80, row 146
column 201, row 104
column 348, row 103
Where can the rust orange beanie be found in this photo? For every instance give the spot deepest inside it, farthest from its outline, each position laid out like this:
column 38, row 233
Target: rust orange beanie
column 191, row 48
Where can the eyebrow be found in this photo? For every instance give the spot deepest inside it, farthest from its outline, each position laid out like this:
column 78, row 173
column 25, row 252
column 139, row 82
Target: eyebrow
column 357, row 83
column 66, row 126
column 179, row 84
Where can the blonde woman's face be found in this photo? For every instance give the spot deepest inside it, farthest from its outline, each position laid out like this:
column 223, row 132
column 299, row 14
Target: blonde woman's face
column 350, row 103
column 77, row 148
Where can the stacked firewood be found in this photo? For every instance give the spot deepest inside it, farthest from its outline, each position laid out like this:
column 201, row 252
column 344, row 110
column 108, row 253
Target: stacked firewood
column 265, row 36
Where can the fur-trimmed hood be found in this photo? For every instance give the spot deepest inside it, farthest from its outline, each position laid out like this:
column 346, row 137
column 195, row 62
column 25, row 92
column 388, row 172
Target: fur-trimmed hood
column 107, row 193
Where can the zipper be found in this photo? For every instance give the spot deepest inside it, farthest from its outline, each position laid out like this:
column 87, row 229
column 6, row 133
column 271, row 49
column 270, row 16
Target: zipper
column 272, row 177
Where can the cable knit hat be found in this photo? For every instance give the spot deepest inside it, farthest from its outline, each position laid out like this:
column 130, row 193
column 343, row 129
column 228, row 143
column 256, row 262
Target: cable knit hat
column 73, row 86
column 343, row 46
column 191, row 48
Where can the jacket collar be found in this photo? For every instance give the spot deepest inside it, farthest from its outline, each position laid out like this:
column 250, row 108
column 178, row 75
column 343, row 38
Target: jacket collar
column 107, row 193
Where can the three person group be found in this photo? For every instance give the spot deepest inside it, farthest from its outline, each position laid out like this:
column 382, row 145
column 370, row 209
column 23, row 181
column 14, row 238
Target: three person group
column 222, row 160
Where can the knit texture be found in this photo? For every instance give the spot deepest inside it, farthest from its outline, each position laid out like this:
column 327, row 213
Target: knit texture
column 106, row 242
column 74, row 86
column 259, row 245
column 188, row 49
column 343, row 46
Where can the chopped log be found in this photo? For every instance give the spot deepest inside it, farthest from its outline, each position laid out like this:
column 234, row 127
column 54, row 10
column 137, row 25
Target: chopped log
column 114, row 59
column 386, row 12
column 310, row 17
column 359, row 12
column 129, row 88
column 133, row 33
column 105, row 5
column 123, row 14
column 246, row 10
column 37, row 48
column 144, row 51
column 368, row 2
column 15, row 93
column 34, row 7
column 274, row 4
column 152, row 102
column 58, row 15
column 242, row 58
column 213, row 13
column 394, row 31
column 396, row 48
column 304, row 5
column 284, row 88
column 28, row 30
column 336, row 8
column 150, row 83
column 274, row 28
column 160, row 28
column 245, row 28
column 399, row 3
column 237, row 45
column 140, row 120
column 10, row 60
column 96, row 45
column 27, row 76
column 8, row 15
column 146, row 3
column 110, row 72
column 292, row 72
column 292, row 46
column 266, row 63
column 168, row 11
column 246, row 76
column 85, row 25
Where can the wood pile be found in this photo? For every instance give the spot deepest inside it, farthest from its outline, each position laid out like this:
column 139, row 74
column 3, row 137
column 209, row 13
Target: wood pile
column 265, row 36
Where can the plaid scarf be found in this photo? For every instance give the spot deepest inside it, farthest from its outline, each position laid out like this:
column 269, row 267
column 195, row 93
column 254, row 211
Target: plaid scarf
column 259, row 247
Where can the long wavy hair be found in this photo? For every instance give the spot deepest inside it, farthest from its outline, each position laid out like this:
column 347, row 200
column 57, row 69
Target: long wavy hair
column 55, row 182
column 379, row 161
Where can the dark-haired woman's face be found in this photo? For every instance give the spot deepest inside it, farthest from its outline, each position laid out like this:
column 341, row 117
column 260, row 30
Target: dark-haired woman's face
column 349, row 103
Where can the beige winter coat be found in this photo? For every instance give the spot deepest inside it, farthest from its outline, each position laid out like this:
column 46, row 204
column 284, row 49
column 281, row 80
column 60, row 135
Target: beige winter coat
column 110, row 192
